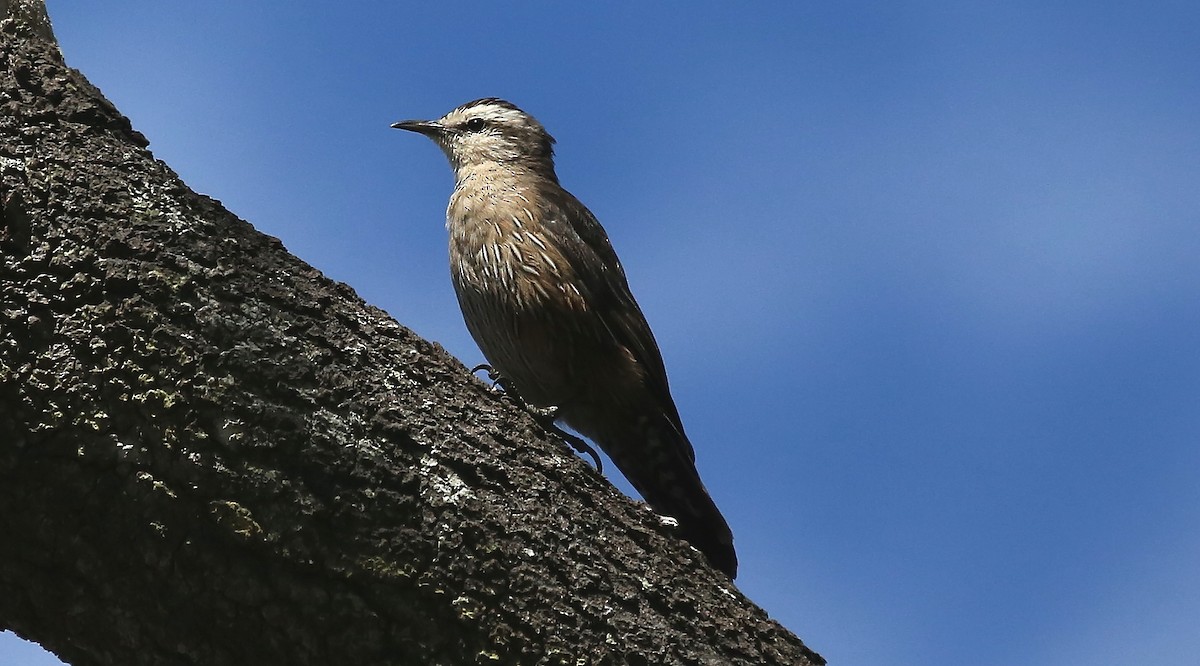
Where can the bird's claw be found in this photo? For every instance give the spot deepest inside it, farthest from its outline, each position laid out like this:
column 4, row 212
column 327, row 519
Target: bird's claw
column 578, row 444
column 499, row 384
column 546, row 416
column 491, row 372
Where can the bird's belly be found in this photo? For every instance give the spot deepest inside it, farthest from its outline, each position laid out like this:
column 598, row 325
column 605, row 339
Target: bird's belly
column 530, row 329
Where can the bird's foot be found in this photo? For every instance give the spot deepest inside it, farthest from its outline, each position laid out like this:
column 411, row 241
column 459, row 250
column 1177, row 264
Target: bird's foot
column 499, row 383
column 546, row 416
column 576, row 443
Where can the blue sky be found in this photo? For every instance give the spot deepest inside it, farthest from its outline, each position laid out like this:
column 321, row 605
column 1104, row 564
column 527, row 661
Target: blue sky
column 924, row 274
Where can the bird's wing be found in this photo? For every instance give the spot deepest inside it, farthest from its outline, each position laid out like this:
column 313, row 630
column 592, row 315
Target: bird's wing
column 608, row 294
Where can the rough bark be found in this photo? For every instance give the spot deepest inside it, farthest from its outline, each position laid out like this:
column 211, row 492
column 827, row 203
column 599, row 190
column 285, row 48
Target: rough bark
column 212, row 454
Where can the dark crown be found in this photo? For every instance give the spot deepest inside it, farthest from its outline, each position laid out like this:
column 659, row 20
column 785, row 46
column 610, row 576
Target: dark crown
column 493, row 101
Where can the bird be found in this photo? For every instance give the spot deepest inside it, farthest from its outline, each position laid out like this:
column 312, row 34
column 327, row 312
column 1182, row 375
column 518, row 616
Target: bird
column 546, row 299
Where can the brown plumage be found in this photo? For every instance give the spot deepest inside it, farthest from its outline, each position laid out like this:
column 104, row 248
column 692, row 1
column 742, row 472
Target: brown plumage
column 546, row 299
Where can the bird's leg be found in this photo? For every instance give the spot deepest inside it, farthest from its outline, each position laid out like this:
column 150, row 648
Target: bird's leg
column 545, row 416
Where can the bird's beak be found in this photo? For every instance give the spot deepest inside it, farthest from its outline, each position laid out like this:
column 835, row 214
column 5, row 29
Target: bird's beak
column 426, row 127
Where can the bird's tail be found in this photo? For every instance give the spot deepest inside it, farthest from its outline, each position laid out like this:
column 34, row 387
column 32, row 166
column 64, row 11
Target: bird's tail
column 657, row 460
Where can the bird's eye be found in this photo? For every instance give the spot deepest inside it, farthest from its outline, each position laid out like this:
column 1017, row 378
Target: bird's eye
column 475, row 124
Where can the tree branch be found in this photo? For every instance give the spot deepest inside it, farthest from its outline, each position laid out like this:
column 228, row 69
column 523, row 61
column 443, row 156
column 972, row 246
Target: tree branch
column 212, row 454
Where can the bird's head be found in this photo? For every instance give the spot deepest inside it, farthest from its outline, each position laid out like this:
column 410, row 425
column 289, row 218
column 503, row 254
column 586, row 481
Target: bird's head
column 488, row 130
